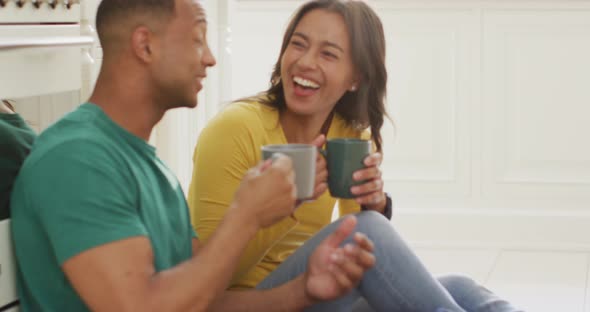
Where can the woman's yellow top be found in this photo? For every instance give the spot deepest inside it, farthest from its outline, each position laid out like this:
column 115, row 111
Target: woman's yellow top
column 230, row 145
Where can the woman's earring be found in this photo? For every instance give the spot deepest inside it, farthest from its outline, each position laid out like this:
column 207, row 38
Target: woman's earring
column 353, row 88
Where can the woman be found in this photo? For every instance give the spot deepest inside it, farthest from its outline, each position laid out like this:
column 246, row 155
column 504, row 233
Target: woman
column 329, row 81
column 16, row 139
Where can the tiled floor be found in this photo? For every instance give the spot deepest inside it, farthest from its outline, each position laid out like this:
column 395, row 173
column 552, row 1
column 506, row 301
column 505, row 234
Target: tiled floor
column 537, row 281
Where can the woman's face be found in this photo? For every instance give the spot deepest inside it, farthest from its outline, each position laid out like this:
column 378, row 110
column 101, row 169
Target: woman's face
column 316, row 67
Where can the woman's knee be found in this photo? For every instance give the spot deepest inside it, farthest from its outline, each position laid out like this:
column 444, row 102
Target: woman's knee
column 370, row 218
column 378, row 229
column 371, row 221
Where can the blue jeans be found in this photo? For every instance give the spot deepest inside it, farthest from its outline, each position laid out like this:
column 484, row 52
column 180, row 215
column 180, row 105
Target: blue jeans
column 397, row 283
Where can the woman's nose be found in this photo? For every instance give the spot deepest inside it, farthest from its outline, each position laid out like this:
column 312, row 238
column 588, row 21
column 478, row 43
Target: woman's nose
column 307, row 60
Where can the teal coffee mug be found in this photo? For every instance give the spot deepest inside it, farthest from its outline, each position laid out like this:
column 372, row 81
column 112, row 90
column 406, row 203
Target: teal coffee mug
column 303, row 157
column 344, row 156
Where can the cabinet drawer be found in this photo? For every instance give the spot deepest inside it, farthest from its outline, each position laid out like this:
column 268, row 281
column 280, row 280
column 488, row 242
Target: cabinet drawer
column 7, row 266
column 40, row 59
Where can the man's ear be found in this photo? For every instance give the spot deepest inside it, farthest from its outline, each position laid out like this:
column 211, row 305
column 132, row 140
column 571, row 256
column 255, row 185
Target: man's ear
column 142, row 44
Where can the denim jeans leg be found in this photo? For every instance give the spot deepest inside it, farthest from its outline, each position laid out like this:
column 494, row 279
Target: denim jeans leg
column 398, row 282
column 473, row 297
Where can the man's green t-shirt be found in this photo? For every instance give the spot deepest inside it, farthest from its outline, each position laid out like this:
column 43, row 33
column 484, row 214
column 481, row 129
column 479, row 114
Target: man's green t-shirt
column 16, row 139
column 88, row 182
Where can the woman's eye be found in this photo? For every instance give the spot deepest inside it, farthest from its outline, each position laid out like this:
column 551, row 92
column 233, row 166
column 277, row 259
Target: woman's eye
column 297, row 43
column 329, row 54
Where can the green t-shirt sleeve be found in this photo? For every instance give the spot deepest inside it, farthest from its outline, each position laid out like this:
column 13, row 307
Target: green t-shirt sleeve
column 84, row 198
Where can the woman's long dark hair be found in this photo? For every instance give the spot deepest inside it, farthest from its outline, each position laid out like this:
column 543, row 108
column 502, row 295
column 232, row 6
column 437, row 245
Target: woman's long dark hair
column 366, row 106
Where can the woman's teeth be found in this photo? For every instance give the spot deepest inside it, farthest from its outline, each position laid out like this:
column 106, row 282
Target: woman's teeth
column 306, row 83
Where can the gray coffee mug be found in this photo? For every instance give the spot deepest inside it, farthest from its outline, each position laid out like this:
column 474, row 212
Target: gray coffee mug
column 344, row 156
column 303, row 157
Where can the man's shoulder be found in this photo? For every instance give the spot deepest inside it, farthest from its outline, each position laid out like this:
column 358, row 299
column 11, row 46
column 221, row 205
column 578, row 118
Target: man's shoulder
column 78, row 124
column 74, row 153
column 76, row 135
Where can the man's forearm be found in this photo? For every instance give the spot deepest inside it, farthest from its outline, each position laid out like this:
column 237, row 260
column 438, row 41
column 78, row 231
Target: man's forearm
column 194, row 284
column 285, row 298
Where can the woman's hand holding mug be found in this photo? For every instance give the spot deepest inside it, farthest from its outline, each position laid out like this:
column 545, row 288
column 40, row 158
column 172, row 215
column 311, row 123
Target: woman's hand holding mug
column 370, row 194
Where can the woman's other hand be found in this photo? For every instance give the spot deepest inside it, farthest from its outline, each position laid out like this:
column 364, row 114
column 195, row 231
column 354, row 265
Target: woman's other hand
column 370, row 194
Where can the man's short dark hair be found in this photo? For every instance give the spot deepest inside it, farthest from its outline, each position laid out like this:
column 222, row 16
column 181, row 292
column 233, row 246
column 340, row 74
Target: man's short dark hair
column 112, row 13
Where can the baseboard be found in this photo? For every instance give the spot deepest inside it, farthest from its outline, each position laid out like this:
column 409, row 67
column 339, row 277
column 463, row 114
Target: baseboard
column 522, row 230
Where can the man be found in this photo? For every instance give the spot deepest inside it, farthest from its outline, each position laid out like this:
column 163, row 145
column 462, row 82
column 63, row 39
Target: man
column 99, row 222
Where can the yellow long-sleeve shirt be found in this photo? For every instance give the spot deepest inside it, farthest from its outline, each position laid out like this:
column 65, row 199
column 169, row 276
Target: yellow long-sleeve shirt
column 228, row 146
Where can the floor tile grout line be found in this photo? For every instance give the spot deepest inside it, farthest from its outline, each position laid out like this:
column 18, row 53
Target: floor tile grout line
column 499, row 253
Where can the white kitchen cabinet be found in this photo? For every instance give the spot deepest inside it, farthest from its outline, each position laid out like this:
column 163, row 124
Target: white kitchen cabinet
column 40, row 59
column 41, row 49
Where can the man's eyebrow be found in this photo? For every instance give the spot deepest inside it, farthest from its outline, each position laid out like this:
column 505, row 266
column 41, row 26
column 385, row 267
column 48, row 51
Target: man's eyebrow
column 200, row 19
